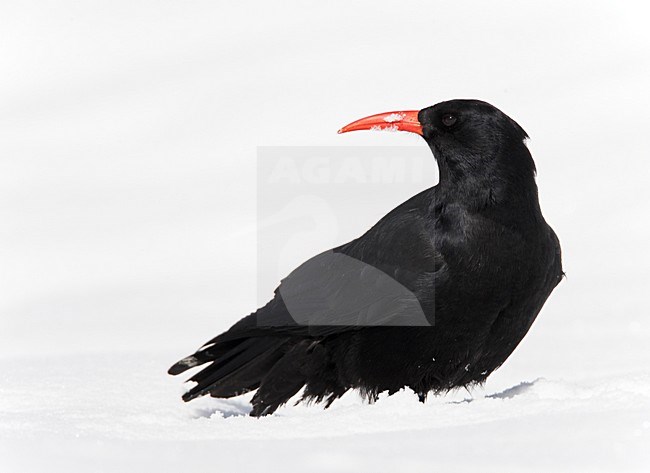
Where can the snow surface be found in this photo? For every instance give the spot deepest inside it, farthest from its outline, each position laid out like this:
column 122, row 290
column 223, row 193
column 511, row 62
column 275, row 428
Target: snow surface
column 127, row 199
column 113, row 412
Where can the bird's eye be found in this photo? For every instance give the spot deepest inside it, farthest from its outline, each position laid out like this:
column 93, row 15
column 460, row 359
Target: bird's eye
column 448, row 119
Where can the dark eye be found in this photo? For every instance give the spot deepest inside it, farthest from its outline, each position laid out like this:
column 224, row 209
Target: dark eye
column 449, row 119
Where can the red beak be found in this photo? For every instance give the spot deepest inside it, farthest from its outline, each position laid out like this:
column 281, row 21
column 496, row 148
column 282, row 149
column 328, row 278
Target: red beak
column 402, row 121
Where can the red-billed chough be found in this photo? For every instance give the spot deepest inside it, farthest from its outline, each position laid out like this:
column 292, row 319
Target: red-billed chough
column 435, row 296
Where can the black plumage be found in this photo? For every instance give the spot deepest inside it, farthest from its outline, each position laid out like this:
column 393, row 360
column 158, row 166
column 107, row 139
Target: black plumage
column 435, row 296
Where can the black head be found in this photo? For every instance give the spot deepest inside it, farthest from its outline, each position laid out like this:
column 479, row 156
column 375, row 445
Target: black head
column 468, row 126
column 469, row 138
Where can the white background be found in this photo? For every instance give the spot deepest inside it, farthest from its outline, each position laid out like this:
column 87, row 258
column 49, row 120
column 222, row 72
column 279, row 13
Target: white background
column 128, row 137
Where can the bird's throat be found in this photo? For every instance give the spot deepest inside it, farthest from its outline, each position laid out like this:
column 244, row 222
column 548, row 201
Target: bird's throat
column 487, row 186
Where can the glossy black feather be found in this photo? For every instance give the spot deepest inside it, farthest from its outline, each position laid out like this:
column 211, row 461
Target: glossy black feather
column 436, row 295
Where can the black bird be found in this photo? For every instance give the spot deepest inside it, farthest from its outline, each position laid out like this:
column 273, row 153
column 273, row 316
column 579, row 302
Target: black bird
column 435, row 296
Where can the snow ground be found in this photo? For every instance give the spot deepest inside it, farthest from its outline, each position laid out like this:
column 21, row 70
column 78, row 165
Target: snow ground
column 127, row 199
column 111, row 413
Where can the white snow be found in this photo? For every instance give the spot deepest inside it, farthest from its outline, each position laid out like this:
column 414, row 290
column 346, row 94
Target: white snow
column 393, row 117
column 390, row 128
column 127, row 199
column 111, row 410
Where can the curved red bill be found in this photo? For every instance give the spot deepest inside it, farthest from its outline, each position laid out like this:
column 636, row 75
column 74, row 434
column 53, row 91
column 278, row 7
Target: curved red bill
column 392, row 121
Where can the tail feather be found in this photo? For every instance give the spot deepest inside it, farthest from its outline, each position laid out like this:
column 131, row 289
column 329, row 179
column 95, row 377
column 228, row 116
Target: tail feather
column 204, row 355
column 184, row 365
column 276, row 363
column 237, row 371
column 285, row 379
